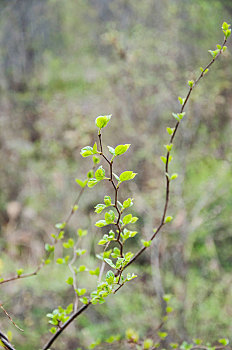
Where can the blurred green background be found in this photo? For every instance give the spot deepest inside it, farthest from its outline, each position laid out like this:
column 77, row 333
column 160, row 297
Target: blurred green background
column 63, row 63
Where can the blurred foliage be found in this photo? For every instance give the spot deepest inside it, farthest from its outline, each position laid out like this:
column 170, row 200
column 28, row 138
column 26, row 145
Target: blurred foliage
column 62, row 64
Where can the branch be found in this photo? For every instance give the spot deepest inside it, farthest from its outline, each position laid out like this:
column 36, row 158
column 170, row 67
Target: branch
column 41, row 265
column 167, row 189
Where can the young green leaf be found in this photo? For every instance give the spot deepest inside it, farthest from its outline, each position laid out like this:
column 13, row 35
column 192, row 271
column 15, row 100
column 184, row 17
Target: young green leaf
column 87, row 151
column 100, row 173
column 191, row 83
column 107, row 200
column 101, row 223
column 127, row 175
column 111, row 150
column 109, row 217
column 110, row 262
column 81, row 183
column 82, row 233
column 121, row 149
column 102, row 121
column 127, row 203
column 80, row 292
column 69, row 280
column 92, row 182
column 146, row 243
column 170, row 130
column 99, row 208
column 168, row 219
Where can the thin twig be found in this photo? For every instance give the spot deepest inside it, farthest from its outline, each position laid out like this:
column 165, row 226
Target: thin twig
column 167, row 193
column 10, row 318
column 41, row 265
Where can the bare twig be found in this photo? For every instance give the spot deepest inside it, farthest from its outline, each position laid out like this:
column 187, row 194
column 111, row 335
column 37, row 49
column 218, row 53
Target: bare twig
column 10, row 318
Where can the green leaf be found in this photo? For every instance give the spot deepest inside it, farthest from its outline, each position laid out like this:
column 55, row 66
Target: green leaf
column 92, row 182
column 178, row 116
column 116, row 177
column 69, row 244
column 148, row 344
column 169, row 309
column 107, row 200
column 100, row 173
column 90, row 174
column 170, row 130
column 101, row 223
column 121, row 149
column 127, row 219
column 96, row 160
column 164, row 159
column 174, row 176
column 53, row 330
column 169, row 147
column 102, row 121
column 95, row 272
column 127, row 175
column 49, row 248
column 116, row 253
column 80, row 252
column 60, row 261
column 75, row 208
column 110, row 277
column 69, row 280
column 146, row 243
column 162, row 334
column 102, row 241
column 109, row 217
column 225, row 26
column 82, row 268
column 84, row 300
column 60, row 225
column 227, row 33
column 99, row 208
column 127, row 203
column 20, row 272
column 95, row 148
column 181, row 100
column 87, row 151
column 80, row 292
column 111, row 150
column 66, row 259
column 110, row 262
column 214, row 53
column 132, row 335
column 167, row 297
column 191, row 83
column 82, row 233
column 168, row 219
column 81, row 183
column 224, row 341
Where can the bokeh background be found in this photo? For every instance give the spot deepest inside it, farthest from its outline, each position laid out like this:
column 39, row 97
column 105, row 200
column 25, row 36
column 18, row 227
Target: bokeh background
column 63, row 63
